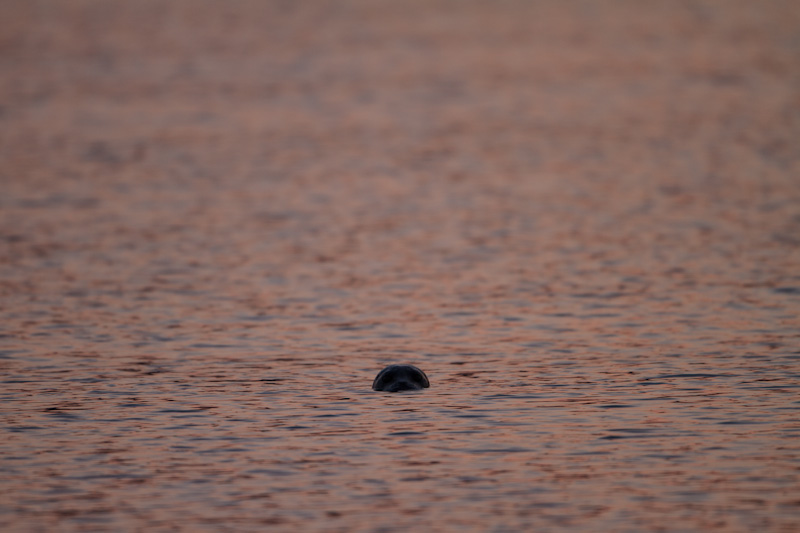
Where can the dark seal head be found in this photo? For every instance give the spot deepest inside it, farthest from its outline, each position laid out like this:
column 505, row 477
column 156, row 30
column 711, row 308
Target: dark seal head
column 395, row 378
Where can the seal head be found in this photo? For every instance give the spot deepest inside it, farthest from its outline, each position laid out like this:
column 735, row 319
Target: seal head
column 395, row 378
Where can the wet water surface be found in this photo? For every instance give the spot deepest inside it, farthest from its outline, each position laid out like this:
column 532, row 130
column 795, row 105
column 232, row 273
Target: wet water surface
column 219, row 221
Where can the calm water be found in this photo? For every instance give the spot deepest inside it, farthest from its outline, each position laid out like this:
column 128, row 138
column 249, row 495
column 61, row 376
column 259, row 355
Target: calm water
column 219, row 221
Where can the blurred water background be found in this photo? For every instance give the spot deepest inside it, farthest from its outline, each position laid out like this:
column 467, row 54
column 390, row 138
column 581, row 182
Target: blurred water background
column 219, row 220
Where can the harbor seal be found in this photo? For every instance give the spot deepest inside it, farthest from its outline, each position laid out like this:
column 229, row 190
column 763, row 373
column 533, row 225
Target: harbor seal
column 395, row 378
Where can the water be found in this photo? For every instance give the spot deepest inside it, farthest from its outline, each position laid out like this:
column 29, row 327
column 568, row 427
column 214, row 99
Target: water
column 219, row 221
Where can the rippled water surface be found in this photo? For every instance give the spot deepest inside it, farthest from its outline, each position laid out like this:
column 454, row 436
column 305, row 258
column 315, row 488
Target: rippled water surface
column 219, row 221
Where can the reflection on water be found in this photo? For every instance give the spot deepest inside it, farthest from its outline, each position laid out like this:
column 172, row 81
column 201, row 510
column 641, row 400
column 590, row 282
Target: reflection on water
column 581, row 224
